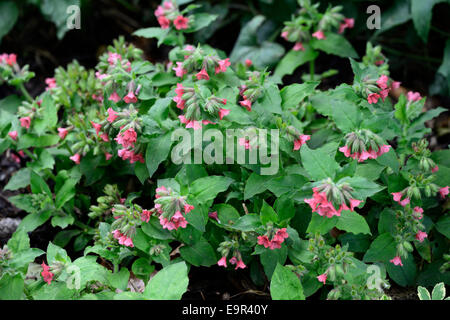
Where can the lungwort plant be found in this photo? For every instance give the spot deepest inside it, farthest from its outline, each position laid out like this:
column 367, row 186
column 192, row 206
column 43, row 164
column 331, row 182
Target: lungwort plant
column 333, row 192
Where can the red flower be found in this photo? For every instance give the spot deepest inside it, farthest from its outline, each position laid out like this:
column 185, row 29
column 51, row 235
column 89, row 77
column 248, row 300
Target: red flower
column 163, row 22
column 181, row 22
column 46, row 274
column 112, row 115
column 25, row 122
column 202, row 75
column 130, row 98
column 62, row 132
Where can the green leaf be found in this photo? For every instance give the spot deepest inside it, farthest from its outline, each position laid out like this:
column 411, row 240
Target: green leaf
column 294, row 59
column 438, row 292
column 271, row 258
column 31, row 140
column 34, row 220
column 255, row 185
column 200, row 21
column 66, row 192
column 403, row 275
column 249, row 222
column 268, row 214
column 421, row 12
column 62, row 221
column 293, row 94
column 199, row 254
column 55, row 253
column 90, row 270
column 362, row 188
column 382, row 249
column 120, row 279
column 207, row 188
column 20, row 179
column 19, row 241
column 443, row 225
column 263, row 53
column 8, row 17
column 423, row 293
column 154, row 229
column 38, row 184
column 318, row 164
column 168, row 284
column 335, row 44
column 321, row 224
column 351, row 221
column 50, row 114
column 397, row 14
column 286, row 184
column 157, row 151
column 11, row 287
column 285, row 285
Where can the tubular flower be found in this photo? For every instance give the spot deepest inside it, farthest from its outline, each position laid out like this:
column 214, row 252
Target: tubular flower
column 171, row 208
column 46, row 274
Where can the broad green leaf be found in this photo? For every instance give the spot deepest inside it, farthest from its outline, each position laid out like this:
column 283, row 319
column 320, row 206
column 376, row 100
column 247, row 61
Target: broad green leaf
column 255, row 185
column 443, row 225
column 199, row 254
column 294, row 59
column 20, row 179
column 421, row 12
column 351, row 221
column 157, row 151
column 268, row 214
column 249, row 222
column 119, row 280
column 207, row 188
column 168, row 284
column 285, row 285
column 34, row 220
column 403, row 275
column 318, row 164
column 8, row 17
column 438, row 292
column 293, row 94
column 321, row 224
column 11, row 287
column 423, row 293
column 382, row 249
column 335, row 44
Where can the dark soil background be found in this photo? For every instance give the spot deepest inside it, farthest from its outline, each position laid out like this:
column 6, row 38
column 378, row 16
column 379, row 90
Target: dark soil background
column 34, row 40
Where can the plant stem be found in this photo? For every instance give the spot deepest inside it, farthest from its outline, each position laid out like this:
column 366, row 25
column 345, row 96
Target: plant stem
column 25, row 92
column 311, row 69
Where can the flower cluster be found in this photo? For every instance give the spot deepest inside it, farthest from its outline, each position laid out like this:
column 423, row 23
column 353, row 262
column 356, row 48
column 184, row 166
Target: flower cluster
column 168, row 13
column 312, row 24
column 197, row 109
column 298, row 138
column 374, row 89
column 46, row 274
column 227, row 247
column 364, row 144
column 328, row 196
column 8, row 59
column 277, row 236
column 171, row 208
column 252, row 89
column 199, row 62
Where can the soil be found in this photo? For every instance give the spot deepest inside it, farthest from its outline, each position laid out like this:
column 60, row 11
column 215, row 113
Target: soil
column 34, row 40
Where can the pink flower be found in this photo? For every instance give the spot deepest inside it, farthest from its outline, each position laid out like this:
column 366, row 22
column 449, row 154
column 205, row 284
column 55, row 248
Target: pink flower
column 301, row 141
column 168, row 5
column 418, row 213
column 188, row 208
column 248, row 63
column 130, row 98
column 244, row 142
column 25, row 122
column 75, row 158
column 223, row 65
column 379, row 62
column 51, row 83
column 145, row 216
column 13, row 135
column 159, row 11
column 397, row 261
column 163, row 22
column 202, row 75
column 354, row 203
column 382, row 81
column 46, row 274
column 373, row 98
column 100, row 76
column 62, row 132
column 181, row 22
column 127, row 138
column 179, row 70
column 113, row 58
column 395, row 84
column 96, row 126
column 397, row 196
column 319, row 35
column 320, row 204
column 233, row 260
column 222, row 262
column 214, row 215
column 298, row 47
column 179, row 90
column 264, row 241
column 413, row 96
column 108, row 156
column 404, row 202
column 240, row 264
column 348, row 23
column 247, row 104
column 114, row 97
column 112, row 115
column 104, row 137
column 435, row 169
column 384, row 93
column 421, row 236
column 223, row 113
column 345, row 150
column 443, row 191
column 322, row 278
column 285, row 35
